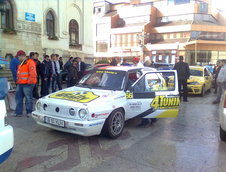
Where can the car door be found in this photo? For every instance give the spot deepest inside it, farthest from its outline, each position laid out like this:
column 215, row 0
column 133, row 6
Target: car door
column 154, row 95
column 207, row 78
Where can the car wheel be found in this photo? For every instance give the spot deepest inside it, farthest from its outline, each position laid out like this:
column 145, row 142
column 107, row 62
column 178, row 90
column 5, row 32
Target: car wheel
column 222, row 134
column 115, row 123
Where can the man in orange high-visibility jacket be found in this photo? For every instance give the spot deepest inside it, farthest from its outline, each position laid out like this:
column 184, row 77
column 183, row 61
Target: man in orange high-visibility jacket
column 26, row 79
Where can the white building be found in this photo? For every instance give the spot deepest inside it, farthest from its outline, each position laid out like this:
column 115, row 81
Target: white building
column 47, row 26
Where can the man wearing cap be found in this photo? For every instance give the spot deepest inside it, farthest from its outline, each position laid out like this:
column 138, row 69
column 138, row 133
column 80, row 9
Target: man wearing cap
column 14, row 64
column 26, row 79
column 137, row 63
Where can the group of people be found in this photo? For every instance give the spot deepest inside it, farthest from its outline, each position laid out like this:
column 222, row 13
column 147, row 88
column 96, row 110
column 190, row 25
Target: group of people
column 28, row 70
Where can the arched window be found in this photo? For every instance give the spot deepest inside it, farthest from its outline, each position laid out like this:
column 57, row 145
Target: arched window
column 50, row 24
column 6, row 14
column 74, row 32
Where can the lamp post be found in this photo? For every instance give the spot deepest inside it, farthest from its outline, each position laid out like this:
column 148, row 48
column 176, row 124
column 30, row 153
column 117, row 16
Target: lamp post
column 142, row 38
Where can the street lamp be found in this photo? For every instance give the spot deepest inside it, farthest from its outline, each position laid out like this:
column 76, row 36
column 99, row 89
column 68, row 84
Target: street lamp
column 142, row 38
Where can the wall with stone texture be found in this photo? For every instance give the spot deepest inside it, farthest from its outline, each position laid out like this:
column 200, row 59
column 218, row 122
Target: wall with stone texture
column 31, row 36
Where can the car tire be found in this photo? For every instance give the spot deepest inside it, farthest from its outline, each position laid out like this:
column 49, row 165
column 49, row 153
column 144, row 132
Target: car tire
column 222, row 134
column 114, row 124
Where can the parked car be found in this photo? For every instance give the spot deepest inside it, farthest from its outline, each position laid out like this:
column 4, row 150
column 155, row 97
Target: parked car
column 106, row 97
column 162, row 66
column 222, row 117
column 6, row 131
column 200, row 80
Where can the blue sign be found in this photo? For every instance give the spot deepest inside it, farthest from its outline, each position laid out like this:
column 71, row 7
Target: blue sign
column 30, row 17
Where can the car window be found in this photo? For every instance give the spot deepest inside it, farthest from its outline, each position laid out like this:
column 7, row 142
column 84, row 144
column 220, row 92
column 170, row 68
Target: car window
column 133, row 77
column 158, row 81
column 206, row 73
column 104, row 79
column 196, row 72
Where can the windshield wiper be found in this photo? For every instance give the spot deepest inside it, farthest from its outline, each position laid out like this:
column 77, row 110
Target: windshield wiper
column 104, row 87
column 84, row 85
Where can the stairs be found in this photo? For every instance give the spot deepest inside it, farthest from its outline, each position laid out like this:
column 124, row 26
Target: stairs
column 6, row 72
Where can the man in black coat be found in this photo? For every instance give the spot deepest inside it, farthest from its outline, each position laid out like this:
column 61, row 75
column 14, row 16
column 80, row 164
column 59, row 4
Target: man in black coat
column 45, row 76
column 81, row 67
column 183, row 73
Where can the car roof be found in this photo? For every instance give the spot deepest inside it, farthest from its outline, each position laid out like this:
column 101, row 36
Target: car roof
column 126, row 68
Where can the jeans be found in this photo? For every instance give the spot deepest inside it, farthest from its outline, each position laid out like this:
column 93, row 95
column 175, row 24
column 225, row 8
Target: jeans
column 185, row 89
column 24, row 90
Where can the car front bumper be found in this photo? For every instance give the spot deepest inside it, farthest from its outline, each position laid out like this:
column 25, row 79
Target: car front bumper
column 83, row 128
column 194, row 89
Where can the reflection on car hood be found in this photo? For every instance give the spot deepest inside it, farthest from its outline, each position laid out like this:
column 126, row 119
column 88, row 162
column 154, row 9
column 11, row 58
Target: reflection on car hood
column 80, row 95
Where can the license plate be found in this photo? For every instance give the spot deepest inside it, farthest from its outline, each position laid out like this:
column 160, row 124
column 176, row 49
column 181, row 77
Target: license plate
column 54, row 121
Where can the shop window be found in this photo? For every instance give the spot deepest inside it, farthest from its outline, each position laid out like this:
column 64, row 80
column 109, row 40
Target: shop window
column 74, row 32
column 6, row 15
column 50, row 24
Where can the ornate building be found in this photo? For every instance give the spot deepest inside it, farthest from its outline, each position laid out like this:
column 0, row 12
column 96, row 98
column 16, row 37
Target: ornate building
column 47, row 26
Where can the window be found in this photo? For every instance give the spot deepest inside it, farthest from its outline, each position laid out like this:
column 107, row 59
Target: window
column 74, row 32
column 50, row 24
column 6, row 15
column 159, row 81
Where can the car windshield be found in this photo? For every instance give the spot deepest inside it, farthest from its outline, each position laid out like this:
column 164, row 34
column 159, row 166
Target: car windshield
column 104, row 79
column 196, row 72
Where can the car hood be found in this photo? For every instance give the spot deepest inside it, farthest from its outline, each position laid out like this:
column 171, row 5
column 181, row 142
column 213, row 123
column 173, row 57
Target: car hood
column 195, row 79
column 80, row 97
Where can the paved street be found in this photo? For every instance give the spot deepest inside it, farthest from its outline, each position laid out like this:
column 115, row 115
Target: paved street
column 189, row 143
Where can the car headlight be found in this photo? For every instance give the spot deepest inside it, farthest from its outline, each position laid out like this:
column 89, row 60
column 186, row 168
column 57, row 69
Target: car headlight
column 194, row 83
column 82, row 113
column 38, row 106
column 71, row 111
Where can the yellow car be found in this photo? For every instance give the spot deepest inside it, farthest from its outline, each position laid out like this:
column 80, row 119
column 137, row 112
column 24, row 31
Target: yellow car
column 200, row 80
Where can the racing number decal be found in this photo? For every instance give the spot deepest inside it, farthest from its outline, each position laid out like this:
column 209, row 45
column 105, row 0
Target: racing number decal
column 163, row 102
column 76, row 96
column 129, row 95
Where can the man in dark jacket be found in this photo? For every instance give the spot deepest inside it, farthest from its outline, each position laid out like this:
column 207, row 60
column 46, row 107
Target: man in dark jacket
column 45, row 76
column 81, row 67
column 14, row 64
column 35, row 56
column 183, row 74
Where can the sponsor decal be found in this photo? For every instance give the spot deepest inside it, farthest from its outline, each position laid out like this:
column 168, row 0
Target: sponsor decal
column 135, row 105
column 101, row 114
column 95, row 124
column 119, row 97
column 129, row 95
column 163, row 102
column 76, row 96
column 105, row 71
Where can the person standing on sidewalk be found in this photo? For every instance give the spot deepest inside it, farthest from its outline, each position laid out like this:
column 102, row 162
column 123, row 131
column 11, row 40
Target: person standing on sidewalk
column 81, row 67
column 38, row 70
column 183, row 73
column 216, row 71
column 14, row 64
column 221, row 82
column 26, row 79
column 45, row 76
column 55, row 73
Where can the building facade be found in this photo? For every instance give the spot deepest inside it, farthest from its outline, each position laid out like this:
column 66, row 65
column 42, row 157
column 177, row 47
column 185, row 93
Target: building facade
column 47, row 26
column 160, row 29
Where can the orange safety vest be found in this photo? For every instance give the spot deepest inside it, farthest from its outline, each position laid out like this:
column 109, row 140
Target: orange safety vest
column 26, row 73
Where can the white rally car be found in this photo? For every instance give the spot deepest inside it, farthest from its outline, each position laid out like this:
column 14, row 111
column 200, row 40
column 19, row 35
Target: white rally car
column 106, row 97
